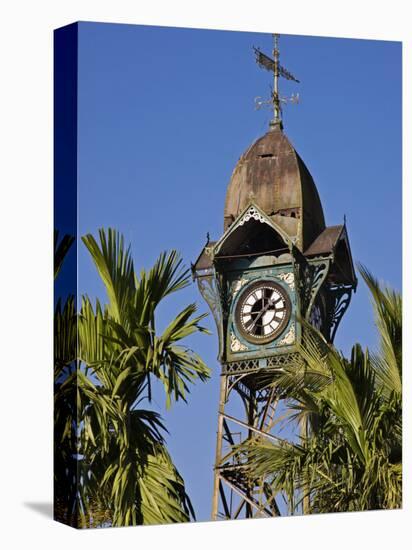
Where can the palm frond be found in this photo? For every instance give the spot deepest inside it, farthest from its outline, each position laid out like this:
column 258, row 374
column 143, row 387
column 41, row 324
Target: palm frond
column 114, row 264
column 128, row 476
column 61, row 249
column 388, row 318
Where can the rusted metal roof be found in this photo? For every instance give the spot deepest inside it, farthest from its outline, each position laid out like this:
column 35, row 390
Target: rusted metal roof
column 272, row 174
column 325, row 242
column 204, row 260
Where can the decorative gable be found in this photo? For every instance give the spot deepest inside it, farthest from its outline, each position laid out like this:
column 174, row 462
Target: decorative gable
column 253, row 233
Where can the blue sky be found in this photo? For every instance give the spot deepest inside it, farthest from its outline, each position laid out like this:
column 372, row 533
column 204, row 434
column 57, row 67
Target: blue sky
column 165, row 113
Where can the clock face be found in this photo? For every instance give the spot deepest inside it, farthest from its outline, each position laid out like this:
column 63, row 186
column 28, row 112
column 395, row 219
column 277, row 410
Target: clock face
column 262, row 312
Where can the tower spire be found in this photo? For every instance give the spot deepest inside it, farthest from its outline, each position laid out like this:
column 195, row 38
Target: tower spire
column 276, row 101
column 274, row 66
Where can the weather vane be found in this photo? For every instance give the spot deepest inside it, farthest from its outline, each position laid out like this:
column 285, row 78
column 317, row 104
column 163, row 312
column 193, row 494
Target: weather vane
column 273, row 65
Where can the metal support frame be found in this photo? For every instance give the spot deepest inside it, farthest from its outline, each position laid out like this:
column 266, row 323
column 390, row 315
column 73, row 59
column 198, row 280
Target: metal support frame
column 236, row 494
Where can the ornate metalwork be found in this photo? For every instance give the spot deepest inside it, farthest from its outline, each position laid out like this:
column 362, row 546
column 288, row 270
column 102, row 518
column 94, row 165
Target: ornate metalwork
column 252, row 213
column 289, row 337
column 240, row 366
column 340, row 296
column 311, row 278
column 253, row 365
column 210, row 291
column 235, row 381
column 318, row 275
column 235, row 344
column 288, row 278
column 304, row 278
column 276, row 68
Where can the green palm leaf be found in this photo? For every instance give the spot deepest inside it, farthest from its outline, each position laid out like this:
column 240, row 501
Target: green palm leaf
column 128, row 476
column 61, row 249
column 115, row 267
column 388, row 318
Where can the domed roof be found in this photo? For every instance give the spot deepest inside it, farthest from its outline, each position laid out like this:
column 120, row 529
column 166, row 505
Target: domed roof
column 272, row 175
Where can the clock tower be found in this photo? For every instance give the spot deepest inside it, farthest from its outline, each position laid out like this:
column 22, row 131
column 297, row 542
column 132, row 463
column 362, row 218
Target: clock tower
column 275, row 264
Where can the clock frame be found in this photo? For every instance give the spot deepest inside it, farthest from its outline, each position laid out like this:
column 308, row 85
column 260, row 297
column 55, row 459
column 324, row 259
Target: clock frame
column 263, row 311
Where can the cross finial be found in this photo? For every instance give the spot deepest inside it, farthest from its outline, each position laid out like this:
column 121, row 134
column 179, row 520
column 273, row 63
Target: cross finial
column 276, row 68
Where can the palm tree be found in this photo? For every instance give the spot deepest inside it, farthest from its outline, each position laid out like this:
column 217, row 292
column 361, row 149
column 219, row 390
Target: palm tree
column 127, row 475
column 65, row 353
column 351, row 457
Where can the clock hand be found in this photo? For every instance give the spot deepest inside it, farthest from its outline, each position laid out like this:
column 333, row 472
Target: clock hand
column 261, row 312
column 256, row 319
column 270, row 303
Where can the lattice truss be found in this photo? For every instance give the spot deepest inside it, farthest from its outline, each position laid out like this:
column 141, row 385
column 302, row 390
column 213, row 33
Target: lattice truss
column 237, row 494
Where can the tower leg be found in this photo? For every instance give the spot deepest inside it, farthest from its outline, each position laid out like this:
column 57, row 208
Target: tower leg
column 222, row 400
